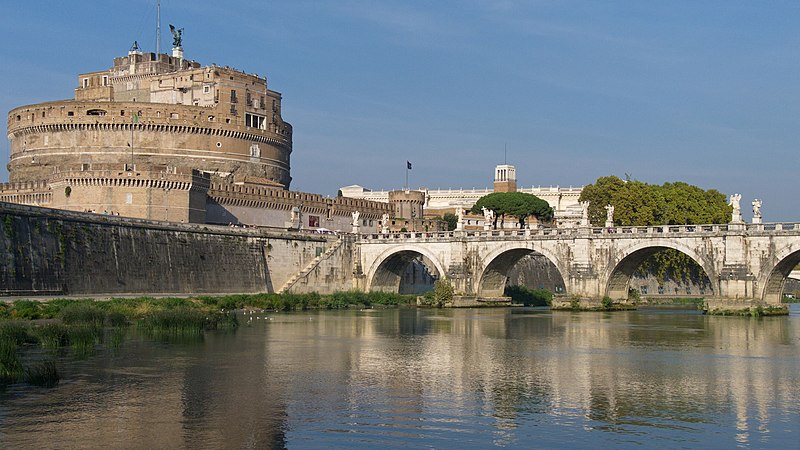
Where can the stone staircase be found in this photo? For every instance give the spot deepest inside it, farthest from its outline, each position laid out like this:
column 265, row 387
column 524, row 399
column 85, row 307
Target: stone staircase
column 311, row 266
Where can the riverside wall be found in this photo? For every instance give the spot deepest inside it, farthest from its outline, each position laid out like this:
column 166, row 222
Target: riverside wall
column 53, row 252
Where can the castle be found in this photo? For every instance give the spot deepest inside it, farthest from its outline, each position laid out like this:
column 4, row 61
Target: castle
column 158, row 136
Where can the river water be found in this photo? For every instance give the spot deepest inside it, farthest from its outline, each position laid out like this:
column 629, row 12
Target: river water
column 420, row 378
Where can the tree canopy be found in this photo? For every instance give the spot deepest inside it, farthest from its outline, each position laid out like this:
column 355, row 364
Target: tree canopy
column 451, row 220
column 640, row 204
column 517, row 204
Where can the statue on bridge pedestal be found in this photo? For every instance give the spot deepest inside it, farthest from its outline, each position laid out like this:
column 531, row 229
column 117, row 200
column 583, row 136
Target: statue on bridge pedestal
column 385, row 223
column 736, row 214
column 584, row 214
column 609, row 216
column 756, row 211
column 460, row 218
column 356, row 224
column 488, row 218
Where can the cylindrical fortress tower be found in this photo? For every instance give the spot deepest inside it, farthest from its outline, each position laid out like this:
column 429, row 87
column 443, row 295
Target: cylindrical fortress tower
column 70, row 136
column 407, row 204
column 156, row 113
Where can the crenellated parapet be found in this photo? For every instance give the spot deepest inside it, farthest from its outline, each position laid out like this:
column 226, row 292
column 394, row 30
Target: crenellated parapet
column 37, row 193
column 260, row 197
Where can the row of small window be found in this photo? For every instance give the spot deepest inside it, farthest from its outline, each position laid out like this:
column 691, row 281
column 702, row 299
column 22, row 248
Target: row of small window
column 86, row 81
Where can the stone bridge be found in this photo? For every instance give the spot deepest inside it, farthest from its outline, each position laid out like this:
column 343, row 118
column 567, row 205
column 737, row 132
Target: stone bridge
column 747, row 264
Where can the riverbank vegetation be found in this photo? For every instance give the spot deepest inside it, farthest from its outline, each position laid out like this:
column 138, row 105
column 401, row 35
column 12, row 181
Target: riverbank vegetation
column 521, row 295
column 78, row 327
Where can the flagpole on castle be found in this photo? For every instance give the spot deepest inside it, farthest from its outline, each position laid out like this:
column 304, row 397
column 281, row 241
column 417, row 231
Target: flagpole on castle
column 408, row 167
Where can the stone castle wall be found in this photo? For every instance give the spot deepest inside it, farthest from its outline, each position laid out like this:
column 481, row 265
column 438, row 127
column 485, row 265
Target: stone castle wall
column 72, row 136
column 45, row 251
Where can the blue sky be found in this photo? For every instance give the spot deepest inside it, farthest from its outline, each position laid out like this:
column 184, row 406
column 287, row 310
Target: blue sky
column 704, row 92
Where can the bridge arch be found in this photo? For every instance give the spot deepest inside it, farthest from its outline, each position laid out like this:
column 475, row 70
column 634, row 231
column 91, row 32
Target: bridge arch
column 386, row 271
column 774, row 279
column 499, row 261
column 628, row 259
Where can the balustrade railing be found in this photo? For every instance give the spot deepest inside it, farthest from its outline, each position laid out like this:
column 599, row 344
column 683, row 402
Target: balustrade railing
column 608, row 232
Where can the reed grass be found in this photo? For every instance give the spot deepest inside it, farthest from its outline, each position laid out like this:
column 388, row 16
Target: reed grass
column 43, row 374
column 174, row 322
column 52, row 335
column 10, row 367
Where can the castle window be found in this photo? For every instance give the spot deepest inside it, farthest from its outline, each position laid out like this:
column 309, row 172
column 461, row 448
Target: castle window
column 173, row 116
column 248, row 100
column 105, row 80
column 19, row 117
column 210, row 118
column 261, row 103
column 85, row 82
column 219, row 144
column 254, row 121
column 233, row 96
column 95, row 112
column 129, row 198
column 71, row 113
column 206, row 89
column 122, row 112
column 85, row 167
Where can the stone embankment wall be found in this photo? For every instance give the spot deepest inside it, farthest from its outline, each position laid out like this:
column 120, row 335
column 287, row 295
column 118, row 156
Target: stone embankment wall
column 52, row 252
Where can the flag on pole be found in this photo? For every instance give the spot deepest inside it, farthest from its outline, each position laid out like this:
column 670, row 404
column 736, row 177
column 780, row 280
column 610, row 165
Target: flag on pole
column 408, row 165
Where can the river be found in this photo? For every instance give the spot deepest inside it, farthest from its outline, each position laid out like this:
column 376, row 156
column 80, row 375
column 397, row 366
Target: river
column 427, row 378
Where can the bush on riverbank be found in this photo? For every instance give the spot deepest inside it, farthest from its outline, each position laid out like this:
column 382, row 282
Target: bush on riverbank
column 529, row 297
column 300, row 302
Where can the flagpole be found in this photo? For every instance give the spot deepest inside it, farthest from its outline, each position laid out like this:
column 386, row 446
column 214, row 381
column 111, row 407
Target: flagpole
column 406, row 175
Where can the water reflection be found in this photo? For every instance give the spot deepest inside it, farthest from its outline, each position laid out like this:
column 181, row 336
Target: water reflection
column 439, row 378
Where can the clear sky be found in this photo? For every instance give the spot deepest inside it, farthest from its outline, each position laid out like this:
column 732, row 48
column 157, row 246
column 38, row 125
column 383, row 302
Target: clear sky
column 705, row 92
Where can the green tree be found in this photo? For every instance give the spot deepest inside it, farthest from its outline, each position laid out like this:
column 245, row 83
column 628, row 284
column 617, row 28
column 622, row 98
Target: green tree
column 599, row 194
column 641, row 204
column 451, row 220
column 443, row 292
column 517, row 204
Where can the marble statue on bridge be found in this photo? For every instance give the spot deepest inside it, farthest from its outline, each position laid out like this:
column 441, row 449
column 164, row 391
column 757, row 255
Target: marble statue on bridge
column 460, row 218
column 488, row 218
column 584, row 214
column 756, row 211
column 385, row 223
column 736, row 214
column 609, row 216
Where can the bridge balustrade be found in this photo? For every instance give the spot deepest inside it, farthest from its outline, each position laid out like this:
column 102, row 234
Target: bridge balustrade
column 595, row 231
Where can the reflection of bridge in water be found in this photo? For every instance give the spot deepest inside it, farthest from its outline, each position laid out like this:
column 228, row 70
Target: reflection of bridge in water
column 745, row 263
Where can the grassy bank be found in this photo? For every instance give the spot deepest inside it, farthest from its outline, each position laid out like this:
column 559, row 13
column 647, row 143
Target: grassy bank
column 66, row 327
column 133, row 309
